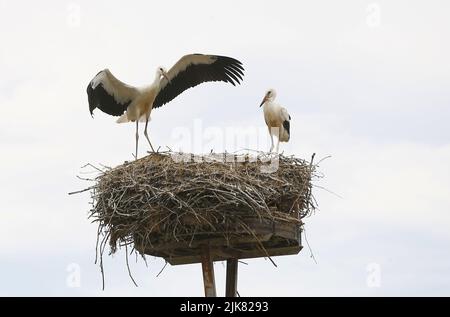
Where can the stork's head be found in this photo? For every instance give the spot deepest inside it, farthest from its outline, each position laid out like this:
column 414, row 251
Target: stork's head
column 269, row 96
column 162, row 72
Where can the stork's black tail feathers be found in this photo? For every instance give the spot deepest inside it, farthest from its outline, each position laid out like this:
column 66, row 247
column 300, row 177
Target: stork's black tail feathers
column 286, row 133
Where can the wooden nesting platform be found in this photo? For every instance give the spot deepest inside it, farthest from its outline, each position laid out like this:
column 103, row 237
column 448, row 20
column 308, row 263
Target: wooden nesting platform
column 266, row 238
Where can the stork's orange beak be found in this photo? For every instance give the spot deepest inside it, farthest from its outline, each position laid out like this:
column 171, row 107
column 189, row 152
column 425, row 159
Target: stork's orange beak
column 264, row 100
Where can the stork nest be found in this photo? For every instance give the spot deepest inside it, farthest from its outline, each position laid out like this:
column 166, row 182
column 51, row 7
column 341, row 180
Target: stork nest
column 174, row 197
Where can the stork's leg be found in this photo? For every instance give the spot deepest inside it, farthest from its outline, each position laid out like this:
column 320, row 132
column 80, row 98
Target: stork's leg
column 146, row 134
column 271, row 139
column 278, row 143
column 137, row 139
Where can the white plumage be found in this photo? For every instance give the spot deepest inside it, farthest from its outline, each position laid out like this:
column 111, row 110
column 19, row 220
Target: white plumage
column 277, row 119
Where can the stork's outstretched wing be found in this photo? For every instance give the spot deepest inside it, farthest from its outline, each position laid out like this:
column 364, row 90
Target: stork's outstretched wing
column 109, row 94
column 192, row 70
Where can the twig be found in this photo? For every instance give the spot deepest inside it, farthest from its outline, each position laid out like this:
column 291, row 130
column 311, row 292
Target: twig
column 128, row 266
column 323, row 159
column 85, row 179
column 81, row 191
column 329, row 191
column 94, row 167
column 309, row 247
column 165, row 264
column 312, row 159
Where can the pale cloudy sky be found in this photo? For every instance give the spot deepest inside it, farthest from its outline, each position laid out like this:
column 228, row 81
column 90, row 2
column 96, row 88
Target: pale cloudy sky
column 366, row 82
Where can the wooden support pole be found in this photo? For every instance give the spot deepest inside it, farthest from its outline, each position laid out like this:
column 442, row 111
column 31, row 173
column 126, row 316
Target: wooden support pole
column 232, row 276
column 208, row 273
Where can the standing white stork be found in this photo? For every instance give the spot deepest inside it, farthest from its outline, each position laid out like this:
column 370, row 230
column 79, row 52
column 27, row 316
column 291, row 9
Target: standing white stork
column 277, row 119
column 116, row 98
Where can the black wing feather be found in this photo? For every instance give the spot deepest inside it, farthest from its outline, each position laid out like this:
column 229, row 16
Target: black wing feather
column 98, row 97
column 224, row 69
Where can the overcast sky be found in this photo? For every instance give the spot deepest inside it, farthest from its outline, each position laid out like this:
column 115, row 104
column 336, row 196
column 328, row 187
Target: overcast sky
column 366, row 82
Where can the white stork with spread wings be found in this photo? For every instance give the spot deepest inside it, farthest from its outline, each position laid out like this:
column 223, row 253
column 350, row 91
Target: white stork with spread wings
column 116, row 98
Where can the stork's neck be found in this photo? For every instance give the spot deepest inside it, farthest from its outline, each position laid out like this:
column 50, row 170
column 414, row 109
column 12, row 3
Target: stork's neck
column 268, row 104
column 157, row 80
